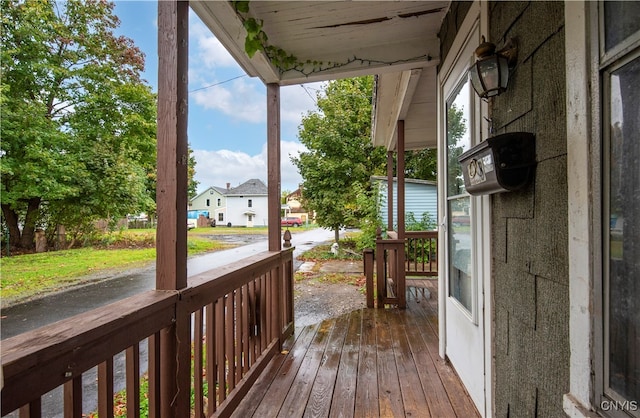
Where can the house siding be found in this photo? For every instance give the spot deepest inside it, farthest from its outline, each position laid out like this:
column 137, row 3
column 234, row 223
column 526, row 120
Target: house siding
column 238, row 205
column 420, row 197
column 529, row 227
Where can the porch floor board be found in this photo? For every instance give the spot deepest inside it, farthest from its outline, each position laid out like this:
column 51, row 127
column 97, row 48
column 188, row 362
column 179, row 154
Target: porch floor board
column 369, row 362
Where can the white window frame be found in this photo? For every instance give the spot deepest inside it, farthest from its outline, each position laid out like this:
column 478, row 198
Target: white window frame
column 584, row 92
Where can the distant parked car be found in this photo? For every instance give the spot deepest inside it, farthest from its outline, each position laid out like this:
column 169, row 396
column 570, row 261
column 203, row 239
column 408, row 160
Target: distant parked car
column 291, row 221
column 191, row 224
column 460, row 220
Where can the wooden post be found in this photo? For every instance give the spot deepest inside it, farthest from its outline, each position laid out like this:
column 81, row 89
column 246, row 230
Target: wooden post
column 389, row 190
column 400, row 172
column 273, row 165
column 171, row 199
column 368, row 273
column 401, row 286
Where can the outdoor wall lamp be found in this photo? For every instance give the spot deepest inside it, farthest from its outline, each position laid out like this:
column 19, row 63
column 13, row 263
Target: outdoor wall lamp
column 490, row 72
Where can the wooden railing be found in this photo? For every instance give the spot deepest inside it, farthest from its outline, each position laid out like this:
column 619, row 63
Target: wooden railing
column 420, row 250
column 233, row 320
column 395, row 259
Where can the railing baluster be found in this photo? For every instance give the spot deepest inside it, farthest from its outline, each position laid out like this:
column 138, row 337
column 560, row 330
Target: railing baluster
column 245, row 334
column 133, row 380
column 253, row 320
column 210, row 332
column 221, row 379
column 105, row 389
column 229, row 340
column 31, row 410
column 154, row 375
column 73, row 398
column 237, row 326
column 198, row 386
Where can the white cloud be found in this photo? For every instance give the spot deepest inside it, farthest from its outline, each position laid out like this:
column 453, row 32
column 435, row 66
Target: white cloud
column 209, row 51
column 217, row 168
column 296, row 101
column 241, row 99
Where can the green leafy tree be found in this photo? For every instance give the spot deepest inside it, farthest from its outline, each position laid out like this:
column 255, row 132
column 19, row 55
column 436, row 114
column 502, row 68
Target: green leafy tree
column 421, row 164
column 456, row 129
column 78, row 123
column 192, row 188
column 340, row 154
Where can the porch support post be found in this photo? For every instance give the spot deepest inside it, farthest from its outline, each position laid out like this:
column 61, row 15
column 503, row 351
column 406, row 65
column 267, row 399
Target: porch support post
column 400, row 175
column 273, row 166
column 390, row 190
column 171, row 198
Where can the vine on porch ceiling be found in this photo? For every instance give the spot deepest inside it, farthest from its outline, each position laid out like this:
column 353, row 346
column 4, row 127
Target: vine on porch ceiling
column 257, row 40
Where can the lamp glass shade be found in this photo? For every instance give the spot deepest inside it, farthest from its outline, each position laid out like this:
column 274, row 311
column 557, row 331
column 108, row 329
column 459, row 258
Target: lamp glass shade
column 490, row 75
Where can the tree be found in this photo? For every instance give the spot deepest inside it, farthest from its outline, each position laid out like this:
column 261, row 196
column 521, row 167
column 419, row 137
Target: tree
column 456, row 129
column 422, row 164
column 78, row 123
column 340, row 157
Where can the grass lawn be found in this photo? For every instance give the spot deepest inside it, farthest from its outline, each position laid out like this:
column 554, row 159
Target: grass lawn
column 31, row 274
column 27, row 275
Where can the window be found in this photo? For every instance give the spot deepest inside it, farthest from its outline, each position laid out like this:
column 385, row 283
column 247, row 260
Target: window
column 220, row 217
column 208, row 202
column 219, row 202
column 620, row 75
column 250, row 203
column 458, row 201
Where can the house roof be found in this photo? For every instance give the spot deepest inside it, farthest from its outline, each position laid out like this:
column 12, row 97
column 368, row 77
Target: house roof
column 206, row 191
column 395, row 40
column 250, row 187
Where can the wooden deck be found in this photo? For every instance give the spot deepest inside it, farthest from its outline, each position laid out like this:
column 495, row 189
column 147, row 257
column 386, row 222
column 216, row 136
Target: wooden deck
column 370, row 362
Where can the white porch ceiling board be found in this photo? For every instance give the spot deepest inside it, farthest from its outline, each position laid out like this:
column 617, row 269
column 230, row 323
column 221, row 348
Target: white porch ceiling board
column 387, row 35
column 415, row 104
column 421, row 118
column 391, row 90
column 223, row 22
column 415, row 139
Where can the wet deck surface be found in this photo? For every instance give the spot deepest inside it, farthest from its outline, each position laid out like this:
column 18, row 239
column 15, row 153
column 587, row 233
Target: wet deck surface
column 369, row 362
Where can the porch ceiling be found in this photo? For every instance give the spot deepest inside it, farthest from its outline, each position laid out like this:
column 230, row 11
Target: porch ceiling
column 395, row 39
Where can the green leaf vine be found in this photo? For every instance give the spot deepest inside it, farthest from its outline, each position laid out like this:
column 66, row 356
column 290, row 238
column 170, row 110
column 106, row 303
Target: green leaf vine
column 257, row 40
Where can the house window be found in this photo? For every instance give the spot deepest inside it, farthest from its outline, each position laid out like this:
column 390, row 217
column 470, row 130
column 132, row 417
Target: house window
column 208, row 202
column 250, row 203
column 220, row 217
column 219, row 202
column 620, row 64
column 458, row 201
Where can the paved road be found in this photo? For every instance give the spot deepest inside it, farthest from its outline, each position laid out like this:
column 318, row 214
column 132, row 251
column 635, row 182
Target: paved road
column 38, row 313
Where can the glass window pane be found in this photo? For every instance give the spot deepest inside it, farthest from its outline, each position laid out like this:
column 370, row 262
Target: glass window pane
column 458, row 136
column 459, row 225
column 622, row 19
column 624, row 232
column 460, row 277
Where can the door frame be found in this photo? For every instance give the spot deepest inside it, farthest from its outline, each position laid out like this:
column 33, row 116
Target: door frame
column 477, row 18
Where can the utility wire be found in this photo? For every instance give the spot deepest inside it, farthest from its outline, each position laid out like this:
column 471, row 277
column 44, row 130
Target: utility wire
column 217, row 84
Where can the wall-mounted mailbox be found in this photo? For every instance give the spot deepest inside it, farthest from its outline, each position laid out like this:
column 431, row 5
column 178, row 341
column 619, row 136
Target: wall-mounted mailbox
column 501, row 163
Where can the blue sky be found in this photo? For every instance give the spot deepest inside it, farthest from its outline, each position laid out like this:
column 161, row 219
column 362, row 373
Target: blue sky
column 227, row 121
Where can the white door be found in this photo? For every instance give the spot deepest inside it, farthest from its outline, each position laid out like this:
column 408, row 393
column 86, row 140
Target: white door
column 464, row 232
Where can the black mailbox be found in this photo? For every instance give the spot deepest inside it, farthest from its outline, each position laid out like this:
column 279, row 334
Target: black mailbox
column 501, row 163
